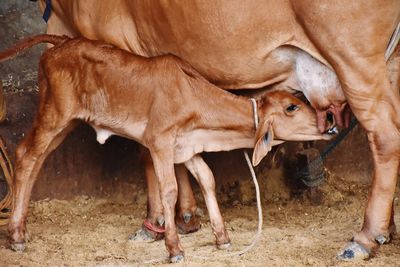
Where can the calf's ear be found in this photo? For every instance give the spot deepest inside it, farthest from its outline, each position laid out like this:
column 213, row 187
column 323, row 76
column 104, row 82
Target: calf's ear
column 264, row 138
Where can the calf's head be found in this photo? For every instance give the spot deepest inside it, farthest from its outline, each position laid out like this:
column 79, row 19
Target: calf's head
column 283, row 117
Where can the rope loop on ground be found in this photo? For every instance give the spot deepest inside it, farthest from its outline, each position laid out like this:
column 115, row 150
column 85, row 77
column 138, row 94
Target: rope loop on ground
column 7, row 168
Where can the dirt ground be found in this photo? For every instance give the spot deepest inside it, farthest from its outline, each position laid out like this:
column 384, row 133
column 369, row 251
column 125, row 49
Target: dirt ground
column 302, row 227
column 93, row 232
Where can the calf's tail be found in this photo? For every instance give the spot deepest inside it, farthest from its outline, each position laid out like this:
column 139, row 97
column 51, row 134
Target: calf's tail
column 20, row 47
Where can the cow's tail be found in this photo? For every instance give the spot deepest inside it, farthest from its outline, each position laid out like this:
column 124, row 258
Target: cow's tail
column 29, row 42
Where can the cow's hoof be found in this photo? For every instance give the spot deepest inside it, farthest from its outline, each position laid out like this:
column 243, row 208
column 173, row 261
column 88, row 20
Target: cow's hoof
column 225, row 246
column 187, row 216
column 353, row 251
column 18, row 247
column 142, row 235
column 187, row 223
column 177, row 258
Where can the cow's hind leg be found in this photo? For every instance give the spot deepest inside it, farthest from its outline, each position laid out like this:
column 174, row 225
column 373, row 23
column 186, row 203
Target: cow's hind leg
column 356, row 52
column 44, row 138
column 377, row 108
column 378, row 223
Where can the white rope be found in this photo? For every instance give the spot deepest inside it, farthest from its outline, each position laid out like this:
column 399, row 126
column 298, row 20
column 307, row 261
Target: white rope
column 254, row 102
column 258, row 198
column 393, row 43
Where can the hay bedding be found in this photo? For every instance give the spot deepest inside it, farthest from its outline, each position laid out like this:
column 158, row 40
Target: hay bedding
column 93, row 232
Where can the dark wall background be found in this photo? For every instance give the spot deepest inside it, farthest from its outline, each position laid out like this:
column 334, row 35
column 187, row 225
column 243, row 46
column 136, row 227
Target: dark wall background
column 81, row 166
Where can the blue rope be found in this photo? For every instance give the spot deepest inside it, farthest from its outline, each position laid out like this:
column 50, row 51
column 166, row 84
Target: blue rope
column 307, row 174
column 331, row 146
column 47, row 11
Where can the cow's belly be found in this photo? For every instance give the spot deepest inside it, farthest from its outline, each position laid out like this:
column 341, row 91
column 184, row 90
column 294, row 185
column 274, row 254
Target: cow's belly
column 229, row 43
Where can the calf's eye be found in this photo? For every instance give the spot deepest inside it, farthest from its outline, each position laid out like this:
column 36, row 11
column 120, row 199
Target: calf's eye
column 292, row 108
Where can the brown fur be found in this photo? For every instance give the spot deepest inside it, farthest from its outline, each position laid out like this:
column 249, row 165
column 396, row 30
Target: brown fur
column 233, row 44
column 160, row 102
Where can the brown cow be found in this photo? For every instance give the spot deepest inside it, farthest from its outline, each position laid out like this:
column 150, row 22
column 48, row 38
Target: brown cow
column 230, row 43
column 285, row 66
column 119, row 93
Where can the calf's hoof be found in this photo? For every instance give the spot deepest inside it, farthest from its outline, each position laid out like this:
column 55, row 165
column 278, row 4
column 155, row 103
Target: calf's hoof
column 145, row 235
column 383, row 239
column 353, row 251
column 225, row 246
column 187, row 223
column 17, row 246
column 177, row 258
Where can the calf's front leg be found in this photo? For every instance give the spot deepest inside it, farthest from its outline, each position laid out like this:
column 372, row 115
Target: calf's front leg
column 186, row 219
column 153, row 226
column 164, row 168
column 205, row 177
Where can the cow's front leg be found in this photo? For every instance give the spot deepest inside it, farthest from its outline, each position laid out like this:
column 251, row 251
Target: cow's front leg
column 164, row 168
column 186, row 219
column 205, row 177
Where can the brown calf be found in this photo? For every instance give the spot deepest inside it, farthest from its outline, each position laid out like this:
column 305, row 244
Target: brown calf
column 160, row 102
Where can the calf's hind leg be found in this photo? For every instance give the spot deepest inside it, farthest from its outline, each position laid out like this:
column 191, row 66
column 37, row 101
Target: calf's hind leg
column 31, row 153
